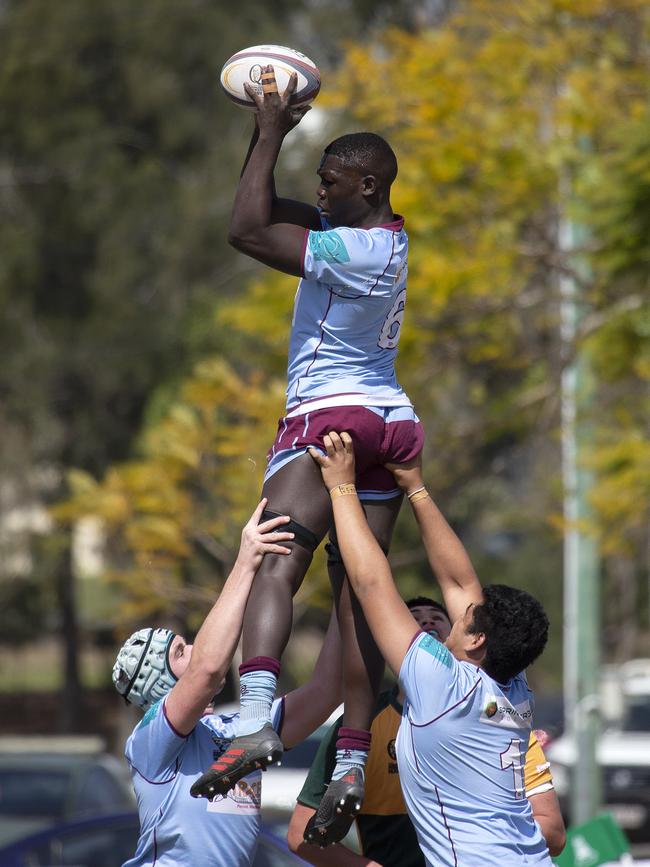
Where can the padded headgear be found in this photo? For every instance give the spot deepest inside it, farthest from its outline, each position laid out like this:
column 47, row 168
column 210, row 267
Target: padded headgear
column 141, row 672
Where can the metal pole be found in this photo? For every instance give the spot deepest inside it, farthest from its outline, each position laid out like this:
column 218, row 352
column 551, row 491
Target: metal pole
column 581, row 579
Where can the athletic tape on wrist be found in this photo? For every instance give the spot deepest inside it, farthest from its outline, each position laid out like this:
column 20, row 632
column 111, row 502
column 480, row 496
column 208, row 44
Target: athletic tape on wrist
column 343, row 490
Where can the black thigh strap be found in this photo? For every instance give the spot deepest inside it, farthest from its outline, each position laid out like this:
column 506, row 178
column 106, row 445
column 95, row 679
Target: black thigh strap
column 334, row 552
column 301, row 535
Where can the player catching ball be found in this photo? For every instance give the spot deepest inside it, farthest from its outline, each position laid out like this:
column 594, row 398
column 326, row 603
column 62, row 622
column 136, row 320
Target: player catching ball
column 350, row 251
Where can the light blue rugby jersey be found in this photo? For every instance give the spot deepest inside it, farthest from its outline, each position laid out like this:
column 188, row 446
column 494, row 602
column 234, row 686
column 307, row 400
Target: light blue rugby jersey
column 177, row 830
column 461, row 751
column 347, row 316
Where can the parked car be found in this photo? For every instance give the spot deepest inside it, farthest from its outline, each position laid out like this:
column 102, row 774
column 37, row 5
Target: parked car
column 622, row 752
column 109, row 841
column 102, row 841
column 39, row 789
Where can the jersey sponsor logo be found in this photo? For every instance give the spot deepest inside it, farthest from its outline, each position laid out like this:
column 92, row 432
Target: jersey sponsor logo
column 439, row 652
column 328, row 247
column 497, row 710
column 244, row 799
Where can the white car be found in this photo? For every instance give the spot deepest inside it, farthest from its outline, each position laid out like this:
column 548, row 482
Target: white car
column 623, row 753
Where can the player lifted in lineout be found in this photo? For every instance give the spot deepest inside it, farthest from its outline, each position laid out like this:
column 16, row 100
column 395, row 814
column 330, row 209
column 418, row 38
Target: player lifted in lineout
column 350, row 252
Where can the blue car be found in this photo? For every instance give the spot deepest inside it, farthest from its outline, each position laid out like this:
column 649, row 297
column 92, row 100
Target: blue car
column 109, row 841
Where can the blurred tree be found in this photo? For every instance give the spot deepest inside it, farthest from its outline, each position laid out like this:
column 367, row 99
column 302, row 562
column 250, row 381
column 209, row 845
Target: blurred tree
column 119, row 167
column 117, row 164
column 172, row 518
column 115, row 161
column 618, row 340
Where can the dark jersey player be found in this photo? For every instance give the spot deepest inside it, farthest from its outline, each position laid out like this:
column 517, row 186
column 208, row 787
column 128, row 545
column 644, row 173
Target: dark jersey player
column 386, row 834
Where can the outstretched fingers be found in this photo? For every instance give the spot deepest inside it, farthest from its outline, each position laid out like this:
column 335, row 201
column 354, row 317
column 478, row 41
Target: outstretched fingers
column 291, row 87
column 318, row 457
column 272, row 523
column 269, row 87
column 253, row 94
column 264, row 536
column 338, row 444
column 257, row 514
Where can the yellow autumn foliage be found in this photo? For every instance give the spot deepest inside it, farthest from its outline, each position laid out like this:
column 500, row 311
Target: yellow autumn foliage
column 500, row 118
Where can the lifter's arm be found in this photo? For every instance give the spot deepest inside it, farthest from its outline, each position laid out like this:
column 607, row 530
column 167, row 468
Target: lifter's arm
column 336, row 855
column 217, row 638
column 447, row 556
column 547, row 814
column 252, row 227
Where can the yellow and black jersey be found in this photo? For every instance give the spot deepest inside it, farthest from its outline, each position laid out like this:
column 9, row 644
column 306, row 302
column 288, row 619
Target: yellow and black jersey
column 385, row 830
column 537, row 773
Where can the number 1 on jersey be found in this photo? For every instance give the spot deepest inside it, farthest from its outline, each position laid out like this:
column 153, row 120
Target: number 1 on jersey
column 513, row 758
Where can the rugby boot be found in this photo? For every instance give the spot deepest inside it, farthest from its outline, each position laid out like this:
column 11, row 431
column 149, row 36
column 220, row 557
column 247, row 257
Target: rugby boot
column 337, row 810
column 245, row 754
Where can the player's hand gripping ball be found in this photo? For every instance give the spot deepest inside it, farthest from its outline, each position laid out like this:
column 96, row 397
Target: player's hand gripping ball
column 245, row 67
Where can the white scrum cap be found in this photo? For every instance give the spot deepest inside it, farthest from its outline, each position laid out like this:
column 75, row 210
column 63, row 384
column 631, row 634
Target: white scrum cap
column 141, row 672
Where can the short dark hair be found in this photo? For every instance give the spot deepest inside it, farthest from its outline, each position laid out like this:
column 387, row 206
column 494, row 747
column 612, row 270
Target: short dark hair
column 365, row 152
column 515, row 626
column 424, row 600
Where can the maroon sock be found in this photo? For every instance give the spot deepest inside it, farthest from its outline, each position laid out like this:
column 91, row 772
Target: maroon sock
column 260, row 663
column 352, row 747
column 353, row 739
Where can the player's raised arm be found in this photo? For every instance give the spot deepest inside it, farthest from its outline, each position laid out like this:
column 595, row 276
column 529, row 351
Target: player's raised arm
column 447, row 556
column 286, row 210
column 217, row 638
column 391, row 623
column 252, row 227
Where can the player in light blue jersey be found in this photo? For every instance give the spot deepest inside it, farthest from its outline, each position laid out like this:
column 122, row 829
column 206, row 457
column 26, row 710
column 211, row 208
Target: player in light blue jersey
column 175, row 684
column 350, row 251
column 468, row 715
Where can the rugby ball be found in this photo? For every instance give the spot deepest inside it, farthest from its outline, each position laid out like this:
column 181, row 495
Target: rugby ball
column 246, row 66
